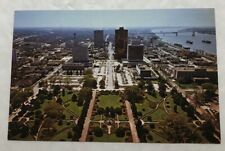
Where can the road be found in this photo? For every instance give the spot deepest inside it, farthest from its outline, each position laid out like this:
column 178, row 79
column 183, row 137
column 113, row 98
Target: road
column 131, row 122
column 87, row 121
column 109, row 66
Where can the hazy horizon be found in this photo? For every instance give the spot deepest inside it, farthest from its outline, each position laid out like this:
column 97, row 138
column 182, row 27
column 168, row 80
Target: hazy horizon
column 115, row 18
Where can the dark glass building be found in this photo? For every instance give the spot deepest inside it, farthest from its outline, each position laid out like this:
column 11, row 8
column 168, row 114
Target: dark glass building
column 121, row 40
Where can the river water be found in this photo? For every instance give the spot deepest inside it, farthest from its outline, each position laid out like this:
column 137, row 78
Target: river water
column 182, row 38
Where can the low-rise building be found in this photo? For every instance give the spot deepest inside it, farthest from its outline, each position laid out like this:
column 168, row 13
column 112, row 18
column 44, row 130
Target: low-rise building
column 187, row 75
column 144, row 71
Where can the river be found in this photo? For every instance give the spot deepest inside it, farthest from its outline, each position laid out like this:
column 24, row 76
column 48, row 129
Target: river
column 182, row 38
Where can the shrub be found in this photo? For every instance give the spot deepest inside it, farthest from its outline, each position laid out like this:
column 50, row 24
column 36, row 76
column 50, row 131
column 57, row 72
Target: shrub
column 98, row 132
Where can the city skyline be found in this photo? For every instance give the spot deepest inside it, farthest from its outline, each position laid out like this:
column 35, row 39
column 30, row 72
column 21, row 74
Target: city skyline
column 116, row 18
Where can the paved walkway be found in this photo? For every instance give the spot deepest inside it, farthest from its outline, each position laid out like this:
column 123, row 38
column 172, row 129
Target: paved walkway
column 132, row 123
column 88, row 118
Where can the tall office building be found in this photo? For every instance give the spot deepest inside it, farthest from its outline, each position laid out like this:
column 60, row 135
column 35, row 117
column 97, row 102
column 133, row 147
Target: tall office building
column 80, row 51
column 98, row 38
column 121, row 39
column 135, row 52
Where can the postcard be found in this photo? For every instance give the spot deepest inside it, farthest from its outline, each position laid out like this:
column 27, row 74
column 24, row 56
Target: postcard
column 137, row 76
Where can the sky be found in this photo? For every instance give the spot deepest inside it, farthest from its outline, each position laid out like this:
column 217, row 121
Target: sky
column 116, row 18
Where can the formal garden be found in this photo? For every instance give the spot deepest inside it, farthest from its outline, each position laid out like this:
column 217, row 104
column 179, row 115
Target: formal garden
column 109, row 121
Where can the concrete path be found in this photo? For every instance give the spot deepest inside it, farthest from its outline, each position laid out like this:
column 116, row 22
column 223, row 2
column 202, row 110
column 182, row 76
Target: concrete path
column 131, row 122
column 88, row 118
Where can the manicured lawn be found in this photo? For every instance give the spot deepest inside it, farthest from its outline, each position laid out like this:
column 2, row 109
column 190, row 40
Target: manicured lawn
column 159, row 115
column 109, row 101
column 97, row 117
column 157, row 98
column 123, row 117
column 66, row 97
column 72, row 106
column 187, row 86
column 157, row 138
column 62, row 132
column 143, row 107
column 148, row 104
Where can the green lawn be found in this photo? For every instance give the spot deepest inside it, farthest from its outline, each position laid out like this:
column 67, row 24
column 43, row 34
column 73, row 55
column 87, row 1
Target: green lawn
column 97, row 117
column 72, row 106
column 159, row 115
column 109, row 101
column 187, row 86
column 157, row 98
column 179, row 110
column 62, row 132
column 123, row 117
column 157, row 138
column 66, row 97
column 148, row 104
column 143, row 107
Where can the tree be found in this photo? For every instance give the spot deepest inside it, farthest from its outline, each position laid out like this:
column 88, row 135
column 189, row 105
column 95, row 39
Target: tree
column 24, row 131
column 118, row 111
column 80, row 102
column 150, row 88
column 141, row 131
column 150, row 137
column 74, row 97
column 100, row 110
column 209, row 91
column 88, row 72
column 60, row 122
column 59, row 100
column 116, row 84
column 98, row 132
column 177, row 131
column 175, row 108
column 102, row 83
column 90, row 82
column 53, row 110
column 117, row 68
column 120, row 132
column 85, row 94
column 69, row 134
column 63, row 92
column 133, row 94
column 141, row 84
column 56, row 90
column 162, row 89
column 209, row 130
